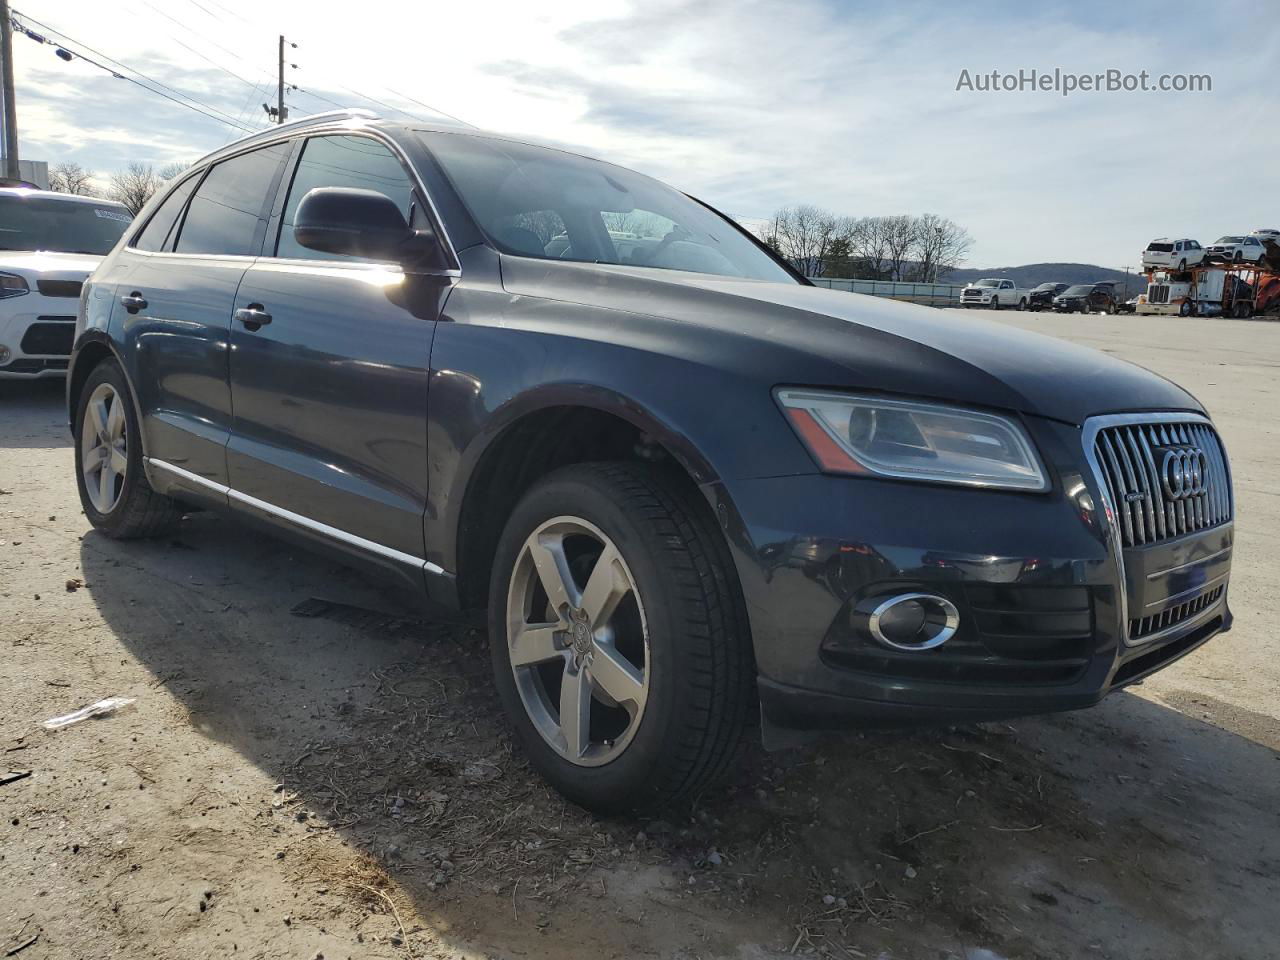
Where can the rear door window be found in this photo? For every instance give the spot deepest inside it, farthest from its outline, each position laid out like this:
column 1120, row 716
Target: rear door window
column 159, row 231
column 227, row 214
column 359, row 162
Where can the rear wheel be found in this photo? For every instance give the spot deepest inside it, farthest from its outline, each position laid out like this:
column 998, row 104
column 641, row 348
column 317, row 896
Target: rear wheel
column 114, row 491
column 1182, row 265
column 1022, row 304
column 618, row 638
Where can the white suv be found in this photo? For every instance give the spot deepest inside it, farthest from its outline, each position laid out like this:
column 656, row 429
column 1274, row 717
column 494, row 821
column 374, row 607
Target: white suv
column 1236, row 249
column 1172, row 254
column 49, row 244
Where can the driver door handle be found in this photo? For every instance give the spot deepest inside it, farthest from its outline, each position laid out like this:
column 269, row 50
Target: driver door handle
column 253, row 316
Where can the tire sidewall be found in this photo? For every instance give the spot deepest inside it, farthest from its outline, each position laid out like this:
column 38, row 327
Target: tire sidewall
column 627, row 781
column 108, row 371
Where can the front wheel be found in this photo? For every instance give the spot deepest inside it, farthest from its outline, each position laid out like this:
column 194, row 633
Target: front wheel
column 618, row 637
column 114, row 490
column 995, row 303
column 1186, row 309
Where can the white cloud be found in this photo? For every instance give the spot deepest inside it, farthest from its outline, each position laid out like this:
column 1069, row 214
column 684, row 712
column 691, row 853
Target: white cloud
column 750, row 105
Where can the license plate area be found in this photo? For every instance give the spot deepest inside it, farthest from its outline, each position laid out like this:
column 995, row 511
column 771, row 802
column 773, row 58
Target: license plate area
column 1171, row 583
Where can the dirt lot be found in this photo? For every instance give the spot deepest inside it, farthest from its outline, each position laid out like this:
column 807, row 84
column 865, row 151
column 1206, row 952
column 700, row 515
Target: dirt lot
column 340, row 784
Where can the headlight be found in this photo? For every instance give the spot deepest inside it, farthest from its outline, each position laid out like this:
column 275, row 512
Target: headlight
column 914, row 441
column 12, row 285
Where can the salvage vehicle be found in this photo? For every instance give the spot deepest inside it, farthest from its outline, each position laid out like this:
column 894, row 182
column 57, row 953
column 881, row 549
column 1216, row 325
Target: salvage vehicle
column 1041, row 297
column 49, row 244
column 994, row 293
column 1087, row 298
column 693, row 491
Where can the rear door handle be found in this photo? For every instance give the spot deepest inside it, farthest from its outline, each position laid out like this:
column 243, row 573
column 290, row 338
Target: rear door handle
column 253, row 316
column 134, row 302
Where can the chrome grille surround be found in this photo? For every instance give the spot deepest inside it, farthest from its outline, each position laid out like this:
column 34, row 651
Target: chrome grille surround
column 1136, row 522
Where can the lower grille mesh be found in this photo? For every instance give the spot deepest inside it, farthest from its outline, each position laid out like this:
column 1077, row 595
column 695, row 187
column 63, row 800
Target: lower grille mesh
column 1146, row 626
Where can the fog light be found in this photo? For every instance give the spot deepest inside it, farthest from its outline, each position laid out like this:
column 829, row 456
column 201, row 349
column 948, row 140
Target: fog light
column 914, row 621
column 4, row 353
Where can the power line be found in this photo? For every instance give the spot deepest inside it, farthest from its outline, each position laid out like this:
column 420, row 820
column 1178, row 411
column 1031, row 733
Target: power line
column 71, row 43
column 431, row 108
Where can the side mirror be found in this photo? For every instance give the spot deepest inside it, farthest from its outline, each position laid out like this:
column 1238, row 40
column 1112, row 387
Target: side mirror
column 358, row 223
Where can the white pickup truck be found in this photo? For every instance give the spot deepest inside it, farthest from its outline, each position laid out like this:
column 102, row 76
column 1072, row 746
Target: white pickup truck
column 994, row 293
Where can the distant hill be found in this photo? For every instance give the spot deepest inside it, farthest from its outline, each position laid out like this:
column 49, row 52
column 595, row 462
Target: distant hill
column 1033, row 274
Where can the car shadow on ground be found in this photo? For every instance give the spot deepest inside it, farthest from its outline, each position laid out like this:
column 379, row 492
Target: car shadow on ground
column 1133, row 829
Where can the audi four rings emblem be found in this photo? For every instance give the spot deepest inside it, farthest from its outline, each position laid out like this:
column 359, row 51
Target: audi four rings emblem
column 1183, row 472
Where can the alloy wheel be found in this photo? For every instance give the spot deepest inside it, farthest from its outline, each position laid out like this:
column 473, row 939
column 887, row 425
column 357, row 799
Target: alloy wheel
column 577, row 641
column 104, row 452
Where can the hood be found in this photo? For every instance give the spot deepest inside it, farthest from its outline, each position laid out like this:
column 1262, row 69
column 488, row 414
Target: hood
column 811, row 336
column 33, row 264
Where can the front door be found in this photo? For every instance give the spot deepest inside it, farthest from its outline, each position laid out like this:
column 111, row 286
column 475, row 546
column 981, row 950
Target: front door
column 330, row 392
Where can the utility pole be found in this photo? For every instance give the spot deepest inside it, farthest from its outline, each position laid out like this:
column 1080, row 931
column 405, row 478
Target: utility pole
column 279, row 82
column 11, row 169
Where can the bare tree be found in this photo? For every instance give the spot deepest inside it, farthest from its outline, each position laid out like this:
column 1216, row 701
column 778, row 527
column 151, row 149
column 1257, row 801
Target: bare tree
column 171, row 170
column 868, row 245
column 941, row 246
column 134, row 185
column 68, row 177
column 804, row 235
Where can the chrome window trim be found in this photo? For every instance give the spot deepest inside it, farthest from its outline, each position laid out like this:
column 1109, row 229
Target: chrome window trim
column 1089, row 435
column 342, row 126
column 298, row 519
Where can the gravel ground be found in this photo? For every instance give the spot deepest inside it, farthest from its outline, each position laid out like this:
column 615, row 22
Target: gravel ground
column 307, row 779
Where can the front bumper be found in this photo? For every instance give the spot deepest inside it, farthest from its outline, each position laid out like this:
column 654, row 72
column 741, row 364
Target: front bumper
column 1038, row 588
column 37, row 331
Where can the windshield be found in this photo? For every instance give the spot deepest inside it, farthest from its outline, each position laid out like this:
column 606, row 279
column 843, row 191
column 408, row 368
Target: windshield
column 1079, row 290
column 1230, row 240
column 987, row 283
column 63, row 226
column 537, row 202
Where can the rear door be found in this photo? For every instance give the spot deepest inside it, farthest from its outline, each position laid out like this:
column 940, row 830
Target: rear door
column 330, row 395
column 176, row 286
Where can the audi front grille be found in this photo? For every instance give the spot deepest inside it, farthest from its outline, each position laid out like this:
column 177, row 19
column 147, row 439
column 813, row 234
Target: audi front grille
column 1164, row 479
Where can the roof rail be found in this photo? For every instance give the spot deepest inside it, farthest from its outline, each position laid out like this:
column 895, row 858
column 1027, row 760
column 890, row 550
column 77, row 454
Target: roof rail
column 347, row 113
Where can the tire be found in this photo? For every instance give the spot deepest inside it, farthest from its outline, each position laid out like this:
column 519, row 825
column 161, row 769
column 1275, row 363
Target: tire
column 1186, row 309
column 1110, row 310
column 122, row 505
column 681, row 615
column 1238, row 257
column 1182, row 265
column 1022, row 304
column 995, row 303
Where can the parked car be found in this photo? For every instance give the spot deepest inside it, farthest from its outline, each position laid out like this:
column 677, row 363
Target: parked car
column 1237, row 249
column 49, row 244
column 692, row 489
column 1172, row 254
column 1041, row 297
column 1131, row 305
column 1268, row 233
column 1087, row 298
column 994, row 293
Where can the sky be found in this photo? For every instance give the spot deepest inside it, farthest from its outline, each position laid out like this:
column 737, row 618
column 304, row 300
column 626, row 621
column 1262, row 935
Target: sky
column 750, row 106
